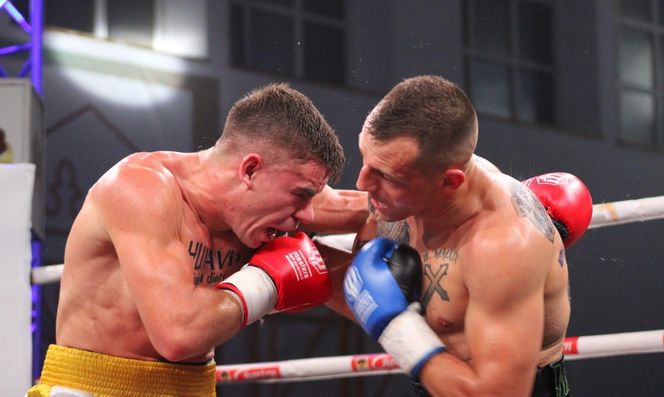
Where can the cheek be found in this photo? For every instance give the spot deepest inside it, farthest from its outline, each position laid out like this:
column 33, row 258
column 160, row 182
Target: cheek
column 404, row 199
column 276, row 206
column 396, row 195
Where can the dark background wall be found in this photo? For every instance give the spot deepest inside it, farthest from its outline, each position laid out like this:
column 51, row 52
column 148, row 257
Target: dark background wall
column 105, row 99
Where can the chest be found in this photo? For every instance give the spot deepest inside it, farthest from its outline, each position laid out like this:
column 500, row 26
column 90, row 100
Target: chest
column 444, row 296
column 214, row 258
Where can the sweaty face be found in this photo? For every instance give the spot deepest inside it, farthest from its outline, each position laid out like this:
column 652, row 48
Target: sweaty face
column 396, row 190
column 280, row 199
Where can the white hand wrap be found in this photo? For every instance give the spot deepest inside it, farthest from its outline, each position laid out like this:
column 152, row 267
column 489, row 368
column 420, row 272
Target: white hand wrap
column 255, row 291
column 410, row 340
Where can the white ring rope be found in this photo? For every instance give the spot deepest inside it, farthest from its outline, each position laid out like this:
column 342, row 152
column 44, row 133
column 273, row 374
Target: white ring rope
column 47, row 274
column 309, row 369
column 627, row 211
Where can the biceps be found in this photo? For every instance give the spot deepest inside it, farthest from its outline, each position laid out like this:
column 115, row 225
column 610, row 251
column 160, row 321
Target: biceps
column 150, row 269
column 505, row 339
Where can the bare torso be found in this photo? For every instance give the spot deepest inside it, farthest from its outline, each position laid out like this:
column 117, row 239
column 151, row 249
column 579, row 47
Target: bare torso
column 445, row 296
column 97, row 310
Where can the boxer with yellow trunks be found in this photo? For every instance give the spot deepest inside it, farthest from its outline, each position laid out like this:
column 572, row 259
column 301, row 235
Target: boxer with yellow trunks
column 102, row 375
column 155, row 277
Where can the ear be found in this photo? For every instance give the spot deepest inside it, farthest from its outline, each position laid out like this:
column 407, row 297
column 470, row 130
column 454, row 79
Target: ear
column 453, row 178
column 249, row 165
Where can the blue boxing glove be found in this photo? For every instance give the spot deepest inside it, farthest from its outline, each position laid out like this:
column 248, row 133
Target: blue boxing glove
column 381, row 288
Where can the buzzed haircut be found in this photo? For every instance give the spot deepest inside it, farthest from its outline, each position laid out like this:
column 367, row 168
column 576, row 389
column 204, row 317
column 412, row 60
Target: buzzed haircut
column 283, row 117
column 434, row 111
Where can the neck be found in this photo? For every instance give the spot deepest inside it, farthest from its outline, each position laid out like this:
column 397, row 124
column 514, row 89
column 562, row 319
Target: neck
column 202, row 188
column 456, row 208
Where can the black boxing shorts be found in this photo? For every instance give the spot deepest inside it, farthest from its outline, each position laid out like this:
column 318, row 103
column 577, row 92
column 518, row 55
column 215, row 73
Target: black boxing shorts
column 550, row 381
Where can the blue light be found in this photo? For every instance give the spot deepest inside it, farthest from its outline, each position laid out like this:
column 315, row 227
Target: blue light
column 35, row 327
column 35, row 31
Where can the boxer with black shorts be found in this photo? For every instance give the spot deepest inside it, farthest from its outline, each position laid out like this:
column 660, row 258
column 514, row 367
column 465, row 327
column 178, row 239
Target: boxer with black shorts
column 485, row 310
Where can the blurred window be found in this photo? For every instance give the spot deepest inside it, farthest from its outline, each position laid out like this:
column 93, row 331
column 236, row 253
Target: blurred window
column 296, row 38
column 171, row 26
column 640, row 27
column 508, row 50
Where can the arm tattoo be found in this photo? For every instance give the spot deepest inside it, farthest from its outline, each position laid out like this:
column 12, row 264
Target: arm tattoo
column 528, row 206
column 397, row 231
column 561, row 257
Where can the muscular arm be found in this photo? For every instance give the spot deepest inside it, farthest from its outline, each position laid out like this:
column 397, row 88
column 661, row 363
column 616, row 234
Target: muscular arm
column 338, row 211
column 338, row 261
column 503, row 325
column 144, row 214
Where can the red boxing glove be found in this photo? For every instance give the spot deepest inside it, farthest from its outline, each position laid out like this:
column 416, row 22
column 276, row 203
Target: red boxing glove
column 286, row 274
column 567, row 200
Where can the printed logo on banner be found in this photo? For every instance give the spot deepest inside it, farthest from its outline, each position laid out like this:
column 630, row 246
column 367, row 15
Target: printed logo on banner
column 255, row 373
column 373, row 362
column 571, row 345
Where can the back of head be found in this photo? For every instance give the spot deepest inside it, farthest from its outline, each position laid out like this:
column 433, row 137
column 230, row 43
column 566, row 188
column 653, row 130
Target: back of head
column 277, row 116
column 434, row 111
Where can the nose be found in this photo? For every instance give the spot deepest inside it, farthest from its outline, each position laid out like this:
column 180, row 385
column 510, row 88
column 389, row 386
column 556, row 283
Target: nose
column 305, row 214
column 363, row 180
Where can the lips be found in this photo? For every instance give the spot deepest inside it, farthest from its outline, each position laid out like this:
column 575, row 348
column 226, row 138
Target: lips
column 273, row 233
column 377, row 204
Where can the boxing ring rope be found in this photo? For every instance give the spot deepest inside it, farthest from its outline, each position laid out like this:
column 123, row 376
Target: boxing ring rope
column 627, row 211
column 604, row 214
column 46, row 274
column 309, row 369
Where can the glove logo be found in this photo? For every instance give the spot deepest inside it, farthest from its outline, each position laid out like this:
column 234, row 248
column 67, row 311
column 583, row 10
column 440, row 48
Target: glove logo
column 352, row 284
column 316, row 261
column 554, row 178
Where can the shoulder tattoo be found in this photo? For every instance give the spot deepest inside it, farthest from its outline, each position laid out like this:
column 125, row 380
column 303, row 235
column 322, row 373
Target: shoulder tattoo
column 528, row 206
column 397, row 231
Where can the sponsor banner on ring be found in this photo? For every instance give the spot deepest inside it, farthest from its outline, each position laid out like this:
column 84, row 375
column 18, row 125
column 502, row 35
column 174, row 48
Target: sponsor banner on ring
column 373, row 362
column 255, row 373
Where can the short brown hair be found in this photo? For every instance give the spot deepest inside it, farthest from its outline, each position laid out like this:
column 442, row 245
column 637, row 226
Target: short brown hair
column 434, row 111
column 281, row 116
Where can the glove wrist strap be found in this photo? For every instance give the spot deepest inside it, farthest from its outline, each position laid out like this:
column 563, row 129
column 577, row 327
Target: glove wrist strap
column 410, row 341
column 256, row 292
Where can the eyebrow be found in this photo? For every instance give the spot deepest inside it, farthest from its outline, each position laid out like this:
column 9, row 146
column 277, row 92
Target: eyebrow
column 308, row 191
column 392, row 174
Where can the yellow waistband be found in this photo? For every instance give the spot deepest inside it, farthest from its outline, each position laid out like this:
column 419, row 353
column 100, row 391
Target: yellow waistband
column 106, row 375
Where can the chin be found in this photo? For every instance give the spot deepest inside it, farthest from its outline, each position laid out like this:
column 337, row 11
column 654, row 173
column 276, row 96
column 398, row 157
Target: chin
column 390, row 216
column 381, row 216
column 251, row 241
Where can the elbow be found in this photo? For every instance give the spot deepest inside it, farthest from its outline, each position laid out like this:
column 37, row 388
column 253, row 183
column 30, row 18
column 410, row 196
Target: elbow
column 176, row 347
column 174, row 351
